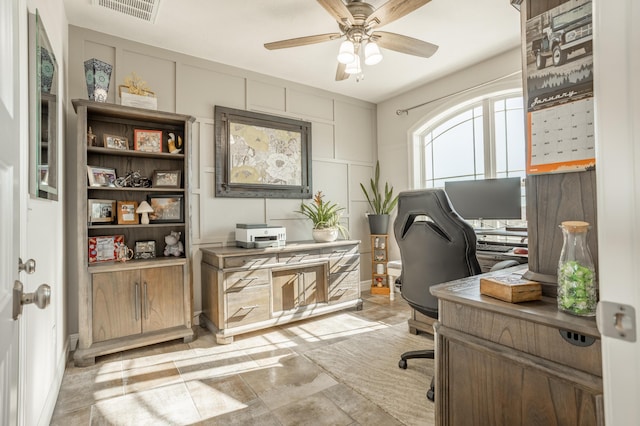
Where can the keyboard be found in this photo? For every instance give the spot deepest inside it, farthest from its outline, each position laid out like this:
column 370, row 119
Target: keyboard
column 493, row 247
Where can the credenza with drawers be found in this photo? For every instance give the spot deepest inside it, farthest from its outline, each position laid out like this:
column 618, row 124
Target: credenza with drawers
column 245, row 290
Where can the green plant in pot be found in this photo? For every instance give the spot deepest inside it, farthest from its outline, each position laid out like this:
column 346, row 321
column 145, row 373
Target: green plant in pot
column 381, row 204
column 325, row 217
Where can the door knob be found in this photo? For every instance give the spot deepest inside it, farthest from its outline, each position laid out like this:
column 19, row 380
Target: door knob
column 41, row 298
column 29, row 266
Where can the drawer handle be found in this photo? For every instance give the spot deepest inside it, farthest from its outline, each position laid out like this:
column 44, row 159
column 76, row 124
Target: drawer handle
column 137, row 301
column 249, row 307
column 297, row 258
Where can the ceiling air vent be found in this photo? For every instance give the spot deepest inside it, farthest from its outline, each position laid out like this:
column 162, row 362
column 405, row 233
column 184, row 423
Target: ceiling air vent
column 141, row 9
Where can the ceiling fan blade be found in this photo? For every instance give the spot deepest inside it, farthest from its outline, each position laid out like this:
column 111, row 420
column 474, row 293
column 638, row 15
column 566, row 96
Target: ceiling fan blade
column 340, row 74
column 302, row 41
column 392, row 10
column 404, row 44
column 338, row 10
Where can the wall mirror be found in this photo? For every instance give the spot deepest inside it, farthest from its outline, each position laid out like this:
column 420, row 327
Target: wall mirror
column 43, row 113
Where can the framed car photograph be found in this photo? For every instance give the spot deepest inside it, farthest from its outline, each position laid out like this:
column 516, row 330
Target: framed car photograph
column 116, row 142
column 101, row 211
column 166, row 208
column 145, row 250
column 167, row 179
column 147, row 140
column 105, row 248
column 127, row 213
column 101, row 176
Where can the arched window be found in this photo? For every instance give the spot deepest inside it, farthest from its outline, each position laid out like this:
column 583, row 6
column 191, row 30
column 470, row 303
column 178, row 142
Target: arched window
column 480, row 139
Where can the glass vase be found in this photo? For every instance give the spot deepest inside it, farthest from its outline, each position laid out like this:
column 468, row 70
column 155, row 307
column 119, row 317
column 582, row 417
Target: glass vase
column 577, row 287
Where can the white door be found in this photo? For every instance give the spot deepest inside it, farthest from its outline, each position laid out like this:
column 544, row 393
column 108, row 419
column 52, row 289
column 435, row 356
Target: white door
column 9, row 211
column 617, row 108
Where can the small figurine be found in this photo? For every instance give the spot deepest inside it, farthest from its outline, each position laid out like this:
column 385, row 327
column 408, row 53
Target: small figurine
column 174, row 245
column 91, row 138
column 171, row 144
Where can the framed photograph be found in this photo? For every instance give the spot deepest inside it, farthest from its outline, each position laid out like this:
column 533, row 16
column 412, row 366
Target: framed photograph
column 167, row 178
column 127, row 213
column 101, row 211
column 104, row 249
column 166, row 208
column 145, row 250
column 260, row 155
column 147, row 140
column 101, row 176
column 116, row 142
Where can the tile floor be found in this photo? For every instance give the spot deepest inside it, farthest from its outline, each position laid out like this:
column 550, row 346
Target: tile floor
column 263, row 378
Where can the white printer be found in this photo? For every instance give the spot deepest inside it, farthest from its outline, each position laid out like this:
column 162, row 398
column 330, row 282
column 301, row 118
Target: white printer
column 260, row 235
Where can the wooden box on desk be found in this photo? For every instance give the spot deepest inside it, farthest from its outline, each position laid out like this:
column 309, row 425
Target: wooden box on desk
column 511, row 288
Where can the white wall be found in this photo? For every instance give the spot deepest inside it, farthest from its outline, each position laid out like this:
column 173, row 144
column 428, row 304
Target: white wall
column 343, row 137
column 394, row 131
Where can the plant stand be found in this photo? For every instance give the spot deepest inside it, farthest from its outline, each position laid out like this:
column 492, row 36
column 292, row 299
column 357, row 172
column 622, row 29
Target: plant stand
column 379, row 260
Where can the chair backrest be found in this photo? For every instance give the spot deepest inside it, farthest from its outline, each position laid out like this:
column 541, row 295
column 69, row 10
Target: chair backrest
column 436, row 246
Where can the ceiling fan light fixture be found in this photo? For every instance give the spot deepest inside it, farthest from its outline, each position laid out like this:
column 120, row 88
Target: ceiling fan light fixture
column 372, row 53
column 354, row 66
column 346, row 53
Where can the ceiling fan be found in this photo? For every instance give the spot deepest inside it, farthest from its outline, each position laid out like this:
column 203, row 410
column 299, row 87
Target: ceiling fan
column 358, row 22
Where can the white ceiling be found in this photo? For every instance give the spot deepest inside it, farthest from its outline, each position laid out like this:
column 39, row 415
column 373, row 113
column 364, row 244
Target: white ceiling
column 233, row 32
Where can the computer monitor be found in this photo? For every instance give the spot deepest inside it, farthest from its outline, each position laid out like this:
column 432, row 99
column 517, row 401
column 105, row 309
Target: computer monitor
column 486, row 198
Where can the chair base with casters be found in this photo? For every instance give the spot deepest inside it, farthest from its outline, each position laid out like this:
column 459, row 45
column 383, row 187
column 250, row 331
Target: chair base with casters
column 424, row 354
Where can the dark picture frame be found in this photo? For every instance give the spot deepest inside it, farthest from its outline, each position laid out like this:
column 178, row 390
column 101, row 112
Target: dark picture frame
column 167, row 208
column 145, row 249
column 167, row 179
column 261, row 156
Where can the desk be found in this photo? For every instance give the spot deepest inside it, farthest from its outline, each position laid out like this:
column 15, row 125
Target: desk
column 487, row 259
column 500, row 363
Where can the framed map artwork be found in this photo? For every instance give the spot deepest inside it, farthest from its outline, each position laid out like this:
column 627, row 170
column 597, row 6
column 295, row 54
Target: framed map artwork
column 259, row 155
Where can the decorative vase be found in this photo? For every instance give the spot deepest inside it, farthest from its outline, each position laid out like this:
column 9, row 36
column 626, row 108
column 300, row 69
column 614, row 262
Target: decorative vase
column 98, row 76
column 378, row 224
column 325, row 235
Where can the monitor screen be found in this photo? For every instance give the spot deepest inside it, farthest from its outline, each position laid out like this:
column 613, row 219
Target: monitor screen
column 486, row 198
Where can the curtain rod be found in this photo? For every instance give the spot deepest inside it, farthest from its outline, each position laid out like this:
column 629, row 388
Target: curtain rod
column 406, row 110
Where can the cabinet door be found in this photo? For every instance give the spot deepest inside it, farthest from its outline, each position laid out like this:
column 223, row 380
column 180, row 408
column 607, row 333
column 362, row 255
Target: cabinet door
column 295, row 288
column 116, row 304
column 162, row 298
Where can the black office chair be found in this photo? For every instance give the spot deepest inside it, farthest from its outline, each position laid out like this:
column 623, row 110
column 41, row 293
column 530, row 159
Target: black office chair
column 436, row 246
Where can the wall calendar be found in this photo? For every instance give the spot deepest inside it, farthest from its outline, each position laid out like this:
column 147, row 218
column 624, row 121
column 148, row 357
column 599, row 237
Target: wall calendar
column 559, row 87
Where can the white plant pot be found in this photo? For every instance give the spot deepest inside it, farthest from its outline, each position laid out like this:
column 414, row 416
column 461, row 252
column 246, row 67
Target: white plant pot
column 325, row 235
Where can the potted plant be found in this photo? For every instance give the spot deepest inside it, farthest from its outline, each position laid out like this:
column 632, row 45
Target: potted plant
column 381, row 206
column 325, row 216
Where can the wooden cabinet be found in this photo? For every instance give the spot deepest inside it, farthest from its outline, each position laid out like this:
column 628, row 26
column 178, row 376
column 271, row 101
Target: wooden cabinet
column 500, row 363
column 379, row 259
column 251, row 289
column 127, row 303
